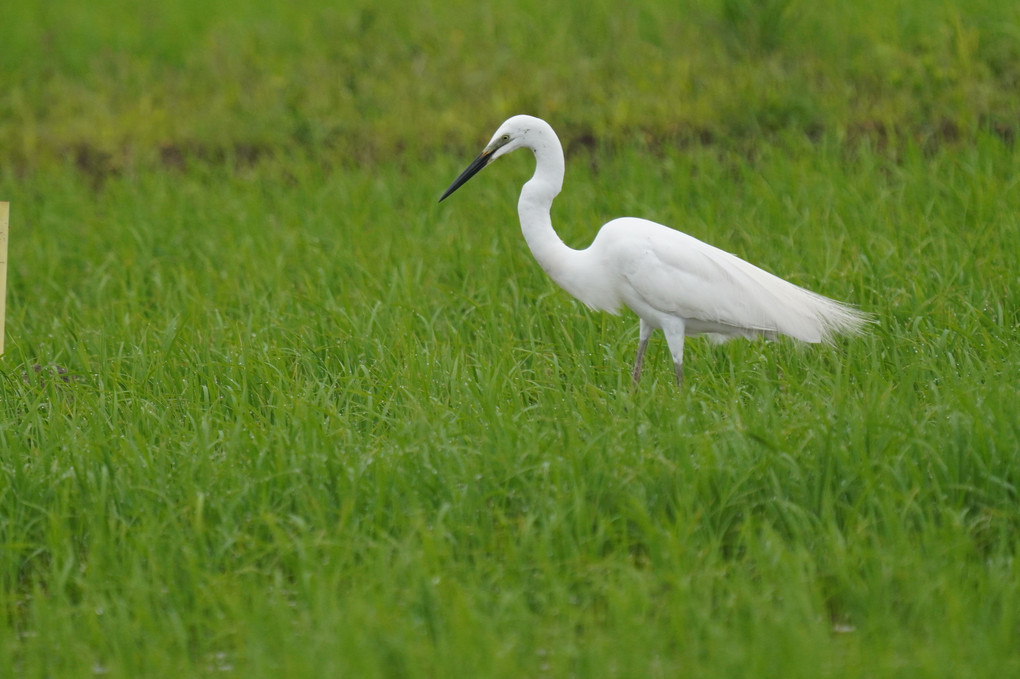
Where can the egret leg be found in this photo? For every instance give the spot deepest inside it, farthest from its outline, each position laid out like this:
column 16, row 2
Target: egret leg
column 645, row 333
column 675, row 340
column 639, row 360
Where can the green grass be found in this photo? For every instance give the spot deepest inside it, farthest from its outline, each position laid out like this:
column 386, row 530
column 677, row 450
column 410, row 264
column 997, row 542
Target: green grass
column 314, row 424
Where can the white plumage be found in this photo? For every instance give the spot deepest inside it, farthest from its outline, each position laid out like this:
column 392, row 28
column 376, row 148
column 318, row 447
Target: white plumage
column 672, row 281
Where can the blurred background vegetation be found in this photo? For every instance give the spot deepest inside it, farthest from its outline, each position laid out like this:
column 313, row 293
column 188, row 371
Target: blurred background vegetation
column 114, row 84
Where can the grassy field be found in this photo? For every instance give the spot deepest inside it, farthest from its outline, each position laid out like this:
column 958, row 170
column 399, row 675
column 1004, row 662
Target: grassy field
column 268, row 410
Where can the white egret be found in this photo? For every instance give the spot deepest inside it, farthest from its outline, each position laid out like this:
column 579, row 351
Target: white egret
column 672, row 281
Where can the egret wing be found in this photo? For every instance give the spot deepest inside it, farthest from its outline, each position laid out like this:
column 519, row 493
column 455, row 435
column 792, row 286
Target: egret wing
column 681, row 276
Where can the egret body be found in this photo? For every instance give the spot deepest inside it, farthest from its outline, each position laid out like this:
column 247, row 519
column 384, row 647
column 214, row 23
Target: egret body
column 672, row 281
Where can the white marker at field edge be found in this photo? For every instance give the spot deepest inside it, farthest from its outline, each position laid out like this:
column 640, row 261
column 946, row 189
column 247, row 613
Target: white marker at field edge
column 5, row 211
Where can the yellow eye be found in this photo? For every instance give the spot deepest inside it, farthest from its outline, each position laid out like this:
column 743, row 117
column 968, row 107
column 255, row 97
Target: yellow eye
column 505, row 137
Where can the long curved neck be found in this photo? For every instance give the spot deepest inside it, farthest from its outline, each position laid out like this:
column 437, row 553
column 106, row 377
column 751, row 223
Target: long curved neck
column 536, row 201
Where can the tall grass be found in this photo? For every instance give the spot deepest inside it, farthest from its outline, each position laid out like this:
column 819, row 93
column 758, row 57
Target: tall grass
column 267, row 409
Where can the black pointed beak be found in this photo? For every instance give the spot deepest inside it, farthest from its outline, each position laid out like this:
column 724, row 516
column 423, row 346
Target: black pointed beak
column 483, row 159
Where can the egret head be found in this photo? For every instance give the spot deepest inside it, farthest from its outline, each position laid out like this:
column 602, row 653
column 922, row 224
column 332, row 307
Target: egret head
column 511, row 135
